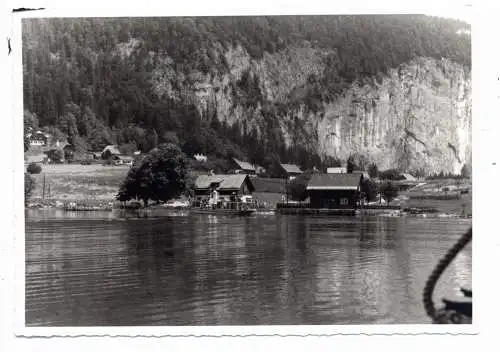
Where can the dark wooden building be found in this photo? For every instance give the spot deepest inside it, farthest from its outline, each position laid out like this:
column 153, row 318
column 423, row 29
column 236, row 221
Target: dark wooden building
column 334, row 191
column 269, row 191
column 243, row 167
column 290, row 171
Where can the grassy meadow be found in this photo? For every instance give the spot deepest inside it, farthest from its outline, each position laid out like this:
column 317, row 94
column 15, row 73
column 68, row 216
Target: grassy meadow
column 74, row 182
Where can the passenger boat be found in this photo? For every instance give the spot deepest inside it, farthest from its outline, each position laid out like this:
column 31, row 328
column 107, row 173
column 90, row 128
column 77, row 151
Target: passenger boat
column 244, row 206
column 233, row 208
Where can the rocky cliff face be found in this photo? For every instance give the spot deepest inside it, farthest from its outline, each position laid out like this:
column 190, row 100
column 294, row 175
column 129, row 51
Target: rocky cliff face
column 418, row 116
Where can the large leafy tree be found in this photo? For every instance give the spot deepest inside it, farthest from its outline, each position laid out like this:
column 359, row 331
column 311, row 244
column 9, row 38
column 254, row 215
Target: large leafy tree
column 370, row 190
column 373, row 171
column 389, row 190
column 350, row 165
column 158, row 176
column 297, row 188
column 30, row 126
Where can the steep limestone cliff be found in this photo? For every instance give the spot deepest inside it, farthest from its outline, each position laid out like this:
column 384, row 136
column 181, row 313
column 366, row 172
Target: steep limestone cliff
column 418, row 116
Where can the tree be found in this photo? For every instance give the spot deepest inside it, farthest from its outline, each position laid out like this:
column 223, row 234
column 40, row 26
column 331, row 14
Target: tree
column 69, row 154
column 373, row 171
column 87, row 122
column 100, row 138
column 297, row 188
column 151, row 140
column 272, row 165
column 34, row 168
column 55, row 155
column 391, row 174
column 329, row 161
column 389, row 191
column 350, row 164
column 29, row 187
column 128, row 148
column 30, row 120
column 67, row 125
column 170, row 137
column 419, row 173
column 26, row 143
column 56, row 134
column 446, row 190
column 30, row 126
column 79, row 145
column 370, row 190
column 465, row 172
column 159, row 176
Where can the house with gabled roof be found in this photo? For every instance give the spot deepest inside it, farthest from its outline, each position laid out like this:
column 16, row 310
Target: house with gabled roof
column 38, row 138
column 269, row 191
column 408, row 177
column 291, row 170
column 334, row 191
column 228, row 187
column 243, row 167
column 110, row 151
column 336, row 170
column 225, row 184
column 200, row 158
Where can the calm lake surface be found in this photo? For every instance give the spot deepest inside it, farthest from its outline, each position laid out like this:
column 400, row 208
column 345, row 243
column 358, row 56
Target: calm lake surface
column 109, row 270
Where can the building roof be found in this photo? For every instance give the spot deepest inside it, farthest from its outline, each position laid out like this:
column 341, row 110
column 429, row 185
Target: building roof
column 336, row 170
column 269, row 185
column 244, row 165
column 291, row 168
column 408, row 177
column 200, row 157
column 126, row 158
column 113, row 149
column 334, row 181
column 259, row 169
column 226, row 182
column 364, row 173
column 37, row 135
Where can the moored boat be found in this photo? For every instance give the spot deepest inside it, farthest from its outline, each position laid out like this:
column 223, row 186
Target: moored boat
column 226, row 208
column 219, row 211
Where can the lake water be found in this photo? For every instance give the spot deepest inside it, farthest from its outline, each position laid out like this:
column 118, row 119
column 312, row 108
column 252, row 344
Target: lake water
column 106, row 270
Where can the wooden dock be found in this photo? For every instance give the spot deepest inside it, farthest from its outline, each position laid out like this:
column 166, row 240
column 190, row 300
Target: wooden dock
column 313, row 211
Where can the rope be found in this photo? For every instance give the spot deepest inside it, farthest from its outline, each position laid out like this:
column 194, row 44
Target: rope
column 439, row 269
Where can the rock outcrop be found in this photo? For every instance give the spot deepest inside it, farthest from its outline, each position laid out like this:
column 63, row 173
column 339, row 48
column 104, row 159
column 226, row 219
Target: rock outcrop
column 417, row 116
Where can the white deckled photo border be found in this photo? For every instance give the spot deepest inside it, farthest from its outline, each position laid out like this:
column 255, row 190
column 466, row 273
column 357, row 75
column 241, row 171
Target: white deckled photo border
column 483, row 174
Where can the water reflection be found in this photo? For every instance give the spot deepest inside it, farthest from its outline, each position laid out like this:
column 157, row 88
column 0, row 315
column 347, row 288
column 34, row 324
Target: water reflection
column 219, row 270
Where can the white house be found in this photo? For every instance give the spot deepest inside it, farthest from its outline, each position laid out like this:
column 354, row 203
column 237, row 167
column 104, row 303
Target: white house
column 200, row 157
column 336, row 170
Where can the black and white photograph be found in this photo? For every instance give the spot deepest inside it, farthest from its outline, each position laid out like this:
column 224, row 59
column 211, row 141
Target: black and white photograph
column 258, row 170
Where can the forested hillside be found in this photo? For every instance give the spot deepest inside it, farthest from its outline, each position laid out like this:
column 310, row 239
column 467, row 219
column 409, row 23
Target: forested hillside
column 233, row 86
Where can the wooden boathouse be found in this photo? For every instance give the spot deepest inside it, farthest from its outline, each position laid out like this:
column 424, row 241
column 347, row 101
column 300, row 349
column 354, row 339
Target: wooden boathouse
column 334, row 191
column 329, row 194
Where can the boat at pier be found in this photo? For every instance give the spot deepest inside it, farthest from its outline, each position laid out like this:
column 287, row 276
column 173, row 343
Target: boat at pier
column 223, row 208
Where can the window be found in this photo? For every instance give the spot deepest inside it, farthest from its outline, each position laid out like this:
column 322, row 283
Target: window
column 344, row 201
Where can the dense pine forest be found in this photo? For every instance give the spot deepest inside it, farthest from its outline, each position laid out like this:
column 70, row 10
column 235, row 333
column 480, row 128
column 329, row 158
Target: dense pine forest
column 96, row 82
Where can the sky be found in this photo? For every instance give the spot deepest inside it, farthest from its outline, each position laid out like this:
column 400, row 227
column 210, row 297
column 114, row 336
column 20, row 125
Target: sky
column 458, row 9
column 464, row 14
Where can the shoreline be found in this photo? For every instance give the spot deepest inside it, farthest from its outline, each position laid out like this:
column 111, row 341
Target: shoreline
column 260, row 212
